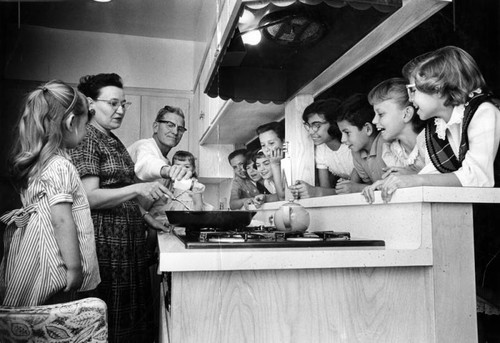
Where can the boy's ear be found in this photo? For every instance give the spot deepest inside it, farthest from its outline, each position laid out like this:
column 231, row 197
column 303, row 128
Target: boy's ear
column 369, row 128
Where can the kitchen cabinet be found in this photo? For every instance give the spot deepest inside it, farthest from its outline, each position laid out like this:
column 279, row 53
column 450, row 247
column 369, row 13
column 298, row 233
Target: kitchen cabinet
column 419, row 288
column 235, row 122
column 213, row 166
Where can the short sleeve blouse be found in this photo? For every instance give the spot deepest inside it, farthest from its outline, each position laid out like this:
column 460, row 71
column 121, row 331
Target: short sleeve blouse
column 337, row 162
column 104, row 156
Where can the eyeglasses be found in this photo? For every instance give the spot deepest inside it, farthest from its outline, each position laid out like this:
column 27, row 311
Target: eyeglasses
column 411, row 89
column 115, row 103
column 314, row 127
column 172, row 126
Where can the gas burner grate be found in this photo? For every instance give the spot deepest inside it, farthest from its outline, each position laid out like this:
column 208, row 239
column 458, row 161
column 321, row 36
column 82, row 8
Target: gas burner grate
column 267, row 237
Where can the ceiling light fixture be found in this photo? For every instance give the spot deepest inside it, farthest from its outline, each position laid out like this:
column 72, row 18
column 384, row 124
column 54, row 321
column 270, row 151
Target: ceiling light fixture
column 102, row 0
column 252, row 37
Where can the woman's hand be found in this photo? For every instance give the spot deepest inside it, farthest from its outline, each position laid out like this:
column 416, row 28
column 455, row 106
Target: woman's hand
column 152, row 190
column 156, row 224
column 74, row 279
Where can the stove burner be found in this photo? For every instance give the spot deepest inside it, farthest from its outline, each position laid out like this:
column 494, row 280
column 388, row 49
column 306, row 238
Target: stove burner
column 226, row 239
column 260, row 237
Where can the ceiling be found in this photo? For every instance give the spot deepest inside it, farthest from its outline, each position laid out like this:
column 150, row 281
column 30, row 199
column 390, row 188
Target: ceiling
column 192, row 20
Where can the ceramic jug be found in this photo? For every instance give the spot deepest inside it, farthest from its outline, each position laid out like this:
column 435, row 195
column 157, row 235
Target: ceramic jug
column 291, row 217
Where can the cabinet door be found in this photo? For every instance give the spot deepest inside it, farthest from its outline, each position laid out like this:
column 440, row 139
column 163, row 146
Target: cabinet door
column 128, row 132
column 149, row 109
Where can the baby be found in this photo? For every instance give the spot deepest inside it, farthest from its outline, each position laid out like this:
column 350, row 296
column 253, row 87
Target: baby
column 188, row 193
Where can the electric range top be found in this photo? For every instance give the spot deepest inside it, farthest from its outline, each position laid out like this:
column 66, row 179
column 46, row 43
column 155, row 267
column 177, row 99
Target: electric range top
column 269, row 237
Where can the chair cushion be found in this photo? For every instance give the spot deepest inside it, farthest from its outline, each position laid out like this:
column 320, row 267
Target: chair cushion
column 77, row 321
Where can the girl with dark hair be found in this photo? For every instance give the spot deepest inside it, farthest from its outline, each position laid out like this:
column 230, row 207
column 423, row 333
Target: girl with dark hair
column 271, row 138
column 332, row 157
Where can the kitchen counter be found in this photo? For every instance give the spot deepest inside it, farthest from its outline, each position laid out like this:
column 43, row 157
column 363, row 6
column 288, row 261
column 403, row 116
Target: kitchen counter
column 404, row 292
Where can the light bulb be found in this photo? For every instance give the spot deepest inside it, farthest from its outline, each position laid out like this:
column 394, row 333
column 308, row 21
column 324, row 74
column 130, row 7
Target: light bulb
column 246, row 18
column 252, row 37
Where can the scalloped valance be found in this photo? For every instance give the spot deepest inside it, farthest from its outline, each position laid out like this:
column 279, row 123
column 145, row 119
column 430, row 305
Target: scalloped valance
column 272, row 72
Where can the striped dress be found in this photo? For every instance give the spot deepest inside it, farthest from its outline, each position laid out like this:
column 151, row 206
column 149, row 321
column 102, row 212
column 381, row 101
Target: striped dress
column 32, row 269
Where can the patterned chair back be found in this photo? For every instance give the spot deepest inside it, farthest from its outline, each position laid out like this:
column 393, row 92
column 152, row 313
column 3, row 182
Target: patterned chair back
column 77, row 321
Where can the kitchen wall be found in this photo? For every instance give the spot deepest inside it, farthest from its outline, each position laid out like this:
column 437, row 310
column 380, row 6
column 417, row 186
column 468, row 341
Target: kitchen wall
column 44, row 53
column 151, row 68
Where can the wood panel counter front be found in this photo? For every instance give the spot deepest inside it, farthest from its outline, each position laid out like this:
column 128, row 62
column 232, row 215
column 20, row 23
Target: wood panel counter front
column 419, row 288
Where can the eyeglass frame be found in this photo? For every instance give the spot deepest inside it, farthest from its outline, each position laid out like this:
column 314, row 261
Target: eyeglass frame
column 180, row 129
column 411, row 88
column 123, row 104
column 314, row 126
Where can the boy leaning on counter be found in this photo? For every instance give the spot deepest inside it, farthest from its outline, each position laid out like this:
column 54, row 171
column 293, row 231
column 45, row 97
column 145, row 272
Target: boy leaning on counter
column 361, row 136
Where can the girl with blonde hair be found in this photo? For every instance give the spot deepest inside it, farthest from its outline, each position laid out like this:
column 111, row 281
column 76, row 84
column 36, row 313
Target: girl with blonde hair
column 49, row 243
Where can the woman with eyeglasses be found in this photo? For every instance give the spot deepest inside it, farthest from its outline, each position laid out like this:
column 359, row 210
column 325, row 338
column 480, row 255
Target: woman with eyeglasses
column 333, row 159
column 107, row 173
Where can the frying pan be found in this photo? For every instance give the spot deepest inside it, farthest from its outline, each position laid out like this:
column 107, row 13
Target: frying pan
column 220, row 220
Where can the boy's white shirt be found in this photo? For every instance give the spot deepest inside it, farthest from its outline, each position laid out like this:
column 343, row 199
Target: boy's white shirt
column 484, row 137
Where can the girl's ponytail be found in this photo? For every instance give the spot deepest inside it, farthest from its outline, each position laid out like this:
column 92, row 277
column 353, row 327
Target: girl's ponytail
column 40, row 128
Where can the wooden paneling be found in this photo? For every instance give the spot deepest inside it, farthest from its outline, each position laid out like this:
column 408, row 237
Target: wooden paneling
column 326, row 305
column 453, row 257
column 419, row 288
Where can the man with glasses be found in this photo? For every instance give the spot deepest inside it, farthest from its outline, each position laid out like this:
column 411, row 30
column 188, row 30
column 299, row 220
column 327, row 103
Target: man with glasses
column 152, row 163
column 150, row 154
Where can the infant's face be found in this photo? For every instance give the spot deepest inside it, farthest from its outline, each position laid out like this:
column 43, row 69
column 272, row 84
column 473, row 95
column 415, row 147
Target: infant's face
column 185, row 164
column 270, row 141
column 253, row 173
column 264, row 167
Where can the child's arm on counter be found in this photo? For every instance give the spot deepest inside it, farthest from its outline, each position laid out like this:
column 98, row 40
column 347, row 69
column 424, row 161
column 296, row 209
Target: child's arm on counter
column 351, row 186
